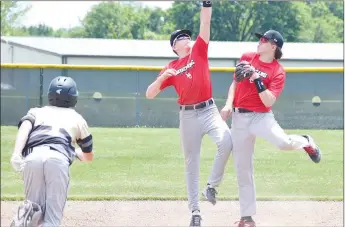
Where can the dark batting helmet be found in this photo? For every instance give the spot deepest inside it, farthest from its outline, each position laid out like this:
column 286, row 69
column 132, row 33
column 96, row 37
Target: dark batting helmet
column 63, row 92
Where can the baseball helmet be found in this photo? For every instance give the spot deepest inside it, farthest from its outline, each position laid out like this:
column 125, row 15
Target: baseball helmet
column 179, row 33
column 274, row 36
column 63, row 92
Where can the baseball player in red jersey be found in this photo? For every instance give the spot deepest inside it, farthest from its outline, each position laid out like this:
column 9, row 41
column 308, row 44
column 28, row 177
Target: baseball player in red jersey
column 250, row 102
column 199, row 115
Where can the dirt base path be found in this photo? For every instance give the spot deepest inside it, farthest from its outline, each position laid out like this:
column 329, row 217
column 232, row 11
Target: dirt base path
column 175, row 213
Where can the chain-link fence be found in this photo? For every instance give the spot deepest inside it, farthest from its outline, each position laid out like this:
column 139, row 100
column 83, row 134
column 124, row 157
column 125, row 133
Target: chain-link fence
column 123, row 102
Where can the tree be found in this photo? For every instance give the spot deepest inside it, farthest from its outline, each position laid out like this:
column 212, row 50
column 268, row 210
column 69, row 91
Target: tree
column 184, row 15
column 280, row 16
column 156, row 20
column 319, row 24
column 11, row 13
column 238, row 21
column 40, row 30
column 115, row 20
column 337, row 8
column 321, row 21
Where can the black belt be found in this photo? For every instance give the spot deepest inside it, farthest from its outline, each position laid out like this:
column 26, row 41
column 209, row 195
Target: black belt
column 26, row 152
column 241, row 110
column 197, row 106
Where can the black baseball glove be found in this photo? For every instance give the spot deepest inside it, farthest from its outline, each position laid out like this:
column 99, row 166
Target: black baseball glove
column 243, row 70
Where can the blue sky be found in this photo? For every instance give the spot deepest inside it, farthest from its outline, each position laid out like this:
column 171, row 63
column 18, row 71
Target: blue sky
column 65, row 14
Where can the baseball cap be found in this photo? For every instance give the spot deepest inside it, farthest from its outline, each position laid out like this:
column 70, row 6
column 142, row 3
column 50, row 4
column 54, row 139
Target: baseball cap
column 274, row 36
column 179, row 33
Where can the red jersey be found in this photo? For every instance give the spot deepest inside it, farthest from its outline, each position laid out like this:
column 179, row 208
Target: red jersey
column 272, row 75
column 192, row 81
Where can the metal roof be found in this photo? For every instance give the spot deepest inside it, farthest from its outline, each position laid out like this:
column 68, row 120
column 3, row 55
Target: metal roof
column 162, row 49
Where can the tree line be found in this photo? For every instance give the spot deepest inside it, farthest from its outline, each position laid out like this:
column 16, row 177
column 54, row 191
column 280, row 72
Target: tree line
column 309, row 21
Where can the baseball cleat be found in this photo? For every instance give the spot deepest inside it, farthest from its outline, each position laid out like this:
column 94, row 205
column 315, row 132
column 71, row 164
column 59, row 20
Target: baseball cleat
column 196, row 220
column 210, row 194
column 245, row 223
column 312, row 150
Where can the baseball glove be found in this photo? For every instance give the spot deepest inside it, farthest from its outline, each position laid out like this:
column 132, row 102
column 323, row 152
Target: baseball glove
column 243, row 70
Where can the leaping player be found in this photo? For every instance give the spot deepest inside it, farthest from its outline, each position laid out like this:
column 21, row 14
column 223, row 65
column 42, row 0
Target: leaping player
column 199, row 115
column 261, row 80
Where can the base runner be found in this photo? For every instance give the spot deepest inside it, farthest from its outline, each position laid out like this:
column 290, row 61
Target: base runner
column 45, row 149
column 199, row 115
column 258, row 81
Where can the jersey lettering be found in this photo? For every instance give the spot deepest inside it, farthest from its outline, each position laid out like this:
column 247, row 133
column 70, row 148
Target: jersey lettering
column 185, row 68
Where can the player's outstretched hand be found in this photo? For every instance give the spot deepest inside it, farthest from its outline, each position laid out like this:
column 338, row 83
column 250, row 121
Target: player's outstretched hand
column 226, row 112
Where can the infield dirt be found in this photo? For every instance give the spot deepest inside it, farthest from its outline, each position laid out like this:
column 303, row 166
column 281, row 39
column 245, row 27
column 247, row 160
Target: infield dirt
column 175, row 213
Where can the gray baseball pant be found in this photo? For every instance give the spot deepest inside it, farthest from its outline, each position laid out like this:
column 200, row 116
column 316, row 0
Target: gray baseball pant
column 245, row 128
column 194, row 124
column 46, row 182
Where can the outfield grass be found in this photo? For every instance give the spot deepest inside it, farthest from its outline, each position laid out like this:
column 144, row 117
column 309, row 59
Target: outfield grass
column 140, row 167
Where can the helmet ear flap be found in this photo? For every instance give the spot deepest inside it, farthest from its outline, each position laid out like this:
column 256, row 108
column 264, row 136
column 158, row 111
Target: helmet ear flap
column 72, row 90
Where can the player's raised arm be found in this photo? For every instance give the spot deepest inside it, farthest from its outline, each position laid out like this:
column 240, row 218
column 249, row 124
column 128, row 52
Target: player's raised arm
column 205, row 20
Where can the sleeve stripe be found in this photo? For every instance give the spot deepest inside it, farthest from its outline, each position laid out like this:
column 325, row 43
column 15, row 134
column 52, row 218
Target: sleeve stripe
column 87, row 149
column 28, row 117
column 86, row 144
column 86, row 139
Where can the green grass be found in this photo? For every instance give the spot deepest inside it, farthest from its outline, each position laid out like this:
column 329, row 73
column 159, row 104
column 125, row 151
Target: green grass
column 139, row 167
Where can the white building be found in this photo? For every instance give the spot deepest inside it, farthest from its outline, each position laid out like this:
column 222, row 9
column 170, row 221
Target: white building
column 48, row 50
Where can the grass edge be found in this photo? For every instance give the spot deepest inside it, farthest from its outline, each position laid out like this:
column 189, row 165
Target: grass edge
column 169, row 198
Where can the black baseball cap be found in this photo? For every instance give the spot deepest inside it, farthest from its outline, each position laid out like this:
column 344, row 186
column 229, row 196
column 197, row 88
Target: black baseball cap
column 274, row 36
column 179, row 33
